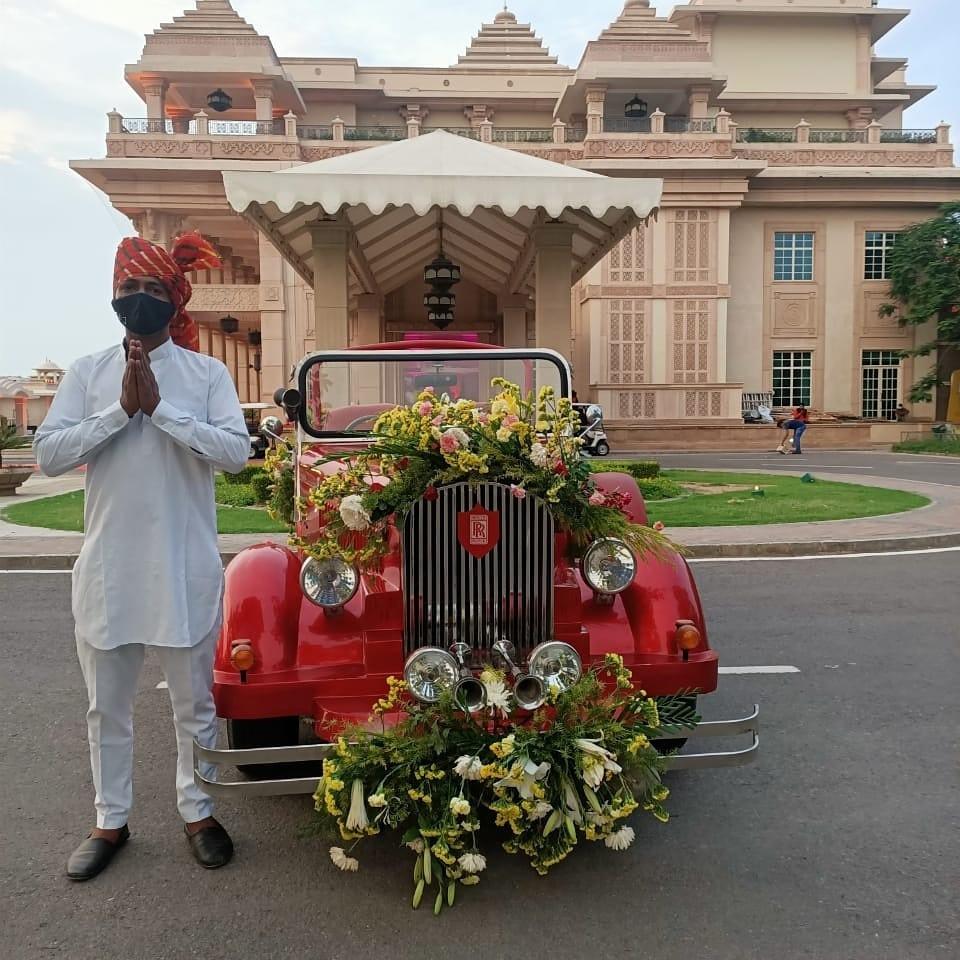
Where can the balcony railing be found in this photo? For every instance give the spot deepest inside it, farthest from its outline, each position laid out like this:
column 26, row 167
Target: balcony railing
column 766, row 134
column 246, row 128
column 626, row 125
column 374, row 132
column 690, row 125
column 519, row 135
column 908, row 136
column 838, row 136
column 574, row 134
column 314, row 131
column 471, row 133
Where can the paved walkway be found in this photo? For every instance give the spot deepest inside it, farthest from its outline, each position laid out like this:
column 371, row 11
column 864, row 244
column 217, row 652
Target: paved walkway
column 936, row 525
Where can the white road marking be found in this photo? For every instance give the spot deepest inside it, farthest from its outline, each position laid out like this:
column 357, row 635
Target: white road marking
column 826, row 556
column 772, row 669
column 162, row 685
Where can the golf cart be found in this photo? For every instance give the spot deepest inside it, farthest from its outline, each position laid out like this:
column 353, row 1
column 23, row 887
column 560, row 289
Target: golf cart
column 591, row 429
column 253, row 413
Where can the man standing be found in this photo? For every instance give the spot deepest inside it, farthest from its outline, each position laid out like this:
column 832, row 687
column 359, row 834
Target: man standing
column 151, row 419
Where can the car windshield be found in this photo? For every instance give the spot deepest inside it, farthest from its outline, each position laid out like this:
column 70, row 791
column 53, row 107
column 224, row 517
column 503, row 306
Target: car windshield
column 345, row 393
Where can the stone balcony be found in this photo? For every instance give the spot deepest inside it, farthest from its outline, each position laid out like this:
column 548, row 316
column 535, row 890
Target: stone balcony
column 654, row 138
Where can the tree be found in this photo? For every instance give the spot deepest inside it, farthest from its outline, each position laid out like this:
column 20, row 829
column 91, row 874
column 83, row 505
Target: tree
column 9, row 438
column 925, row 283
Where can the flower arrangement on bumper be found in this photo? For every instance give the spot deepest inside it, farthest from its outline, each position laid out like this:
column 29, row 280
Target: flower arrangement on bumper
column 576, row 768
column 528, row 442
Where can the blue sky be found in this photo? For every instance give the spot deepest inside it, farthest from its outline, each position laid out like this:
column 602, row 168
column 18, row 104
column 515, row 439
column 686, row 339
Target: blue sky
column 61, row 70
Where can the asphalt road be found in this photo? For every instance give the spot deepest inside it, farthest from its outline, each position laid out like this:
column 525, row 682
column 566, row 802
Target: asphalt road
column 929, row 469
column 839, row 843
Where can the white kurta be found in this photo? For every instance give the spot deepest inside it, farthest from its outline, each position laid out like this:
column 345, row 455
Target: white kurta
column 149, row 571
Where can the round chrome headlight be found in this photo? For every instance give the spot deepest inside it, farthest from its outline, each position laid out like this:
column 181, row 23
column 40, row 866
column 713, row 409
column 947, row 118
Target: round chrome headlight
column 328, row 583
column 430, row 672
column 609, row 565
column 557, row 664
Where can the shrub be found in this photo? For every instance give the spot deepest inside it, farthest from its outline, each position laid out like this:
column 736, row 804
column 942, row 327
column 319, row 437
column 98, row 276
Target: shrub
column 245, row 476
column 638, row 469
column 233, row 494
column 260, row 483
column 659, row 488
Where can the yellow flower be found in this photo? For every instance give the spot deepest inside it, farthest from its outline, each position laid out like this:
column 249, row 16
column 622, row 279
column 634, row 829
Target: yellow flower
column 503, row 748
column 638, row 743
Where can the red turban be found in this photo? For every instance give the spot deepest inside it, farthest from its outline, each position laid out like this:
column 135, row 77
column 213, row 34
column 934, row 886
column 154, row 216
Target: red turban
column 137, row 257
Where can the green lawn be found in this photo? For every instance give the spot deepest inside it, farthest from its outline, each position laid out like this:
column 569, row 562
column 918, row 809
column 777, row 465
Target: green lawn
column 65, row 512
column 946, row 448
column 784, row 500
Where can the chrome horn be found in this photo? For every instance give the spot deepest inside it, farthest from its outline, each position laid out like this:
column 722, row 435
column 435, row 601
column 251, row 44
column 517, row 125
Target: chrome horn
column 528, row 690
column 469, row 693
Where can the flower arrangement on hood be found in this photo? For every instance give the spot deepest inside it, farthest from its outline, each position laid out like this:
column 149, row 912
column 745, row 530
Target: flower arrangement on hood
column 528, row 442
column 574, row 770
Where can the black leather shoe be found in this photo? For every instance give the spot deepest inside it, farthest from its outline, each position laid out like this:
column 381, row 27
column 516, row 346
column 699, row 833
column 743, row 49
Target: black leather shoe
column 211, row 846
column 94, row 855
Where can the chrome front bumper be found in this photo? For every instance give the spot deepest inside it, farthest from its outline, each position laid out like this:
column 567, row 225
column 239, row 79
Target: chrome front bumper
column 315, row 752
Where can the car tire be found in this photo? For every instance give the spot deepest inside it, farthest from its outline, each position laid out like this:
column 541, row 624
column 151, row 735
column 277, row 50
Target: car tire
column 663, row 747
column 602, row 448
column 272, row 732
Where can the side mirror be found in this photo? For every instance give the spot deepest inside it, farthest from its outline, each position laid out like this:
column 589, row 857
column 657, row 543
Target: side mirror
column 271, row 428
column 288, row 399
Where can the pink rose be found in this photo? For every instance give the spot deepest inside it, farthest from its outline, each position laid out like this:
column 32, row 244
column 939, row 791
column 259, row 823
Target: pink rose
column 518, row 492
column 430, row 494
column 597, row 499
column 484, row 418
column 437, row 420
column 425, row 409
column 449, row 443
column 659, row 526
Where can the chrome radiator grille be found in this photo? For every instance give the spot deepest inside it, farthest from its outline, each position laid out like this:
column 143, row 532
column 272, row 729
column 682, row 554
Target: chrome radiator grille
column 453, row 596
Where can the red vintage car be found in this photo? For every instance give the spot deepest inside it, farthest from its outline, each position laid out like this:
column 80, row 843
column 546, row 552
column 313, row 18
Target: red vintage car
column 302, row 654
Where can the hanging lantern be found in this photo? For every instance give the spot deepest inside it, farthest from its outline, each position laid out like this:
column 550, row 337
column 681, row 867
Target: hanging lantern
column 229, row 324
column 254, row 338
column 219, row 100
column 440, row 318
column 636, row 109
column 438, row 299
column 441, row 271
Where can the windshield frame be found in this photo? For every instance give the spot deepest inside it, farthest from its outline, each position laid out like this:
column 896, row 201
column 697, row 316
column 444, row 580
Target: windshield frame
column 399, row 356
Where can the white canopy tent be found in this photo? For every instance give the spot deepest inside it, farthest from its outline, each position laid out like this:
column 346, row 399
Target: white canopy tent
column 517, row 224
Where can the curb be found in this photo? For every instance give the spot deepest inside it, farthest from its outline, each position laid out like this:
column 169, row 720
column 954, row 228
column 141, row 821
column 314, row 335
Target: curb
column 46, row 563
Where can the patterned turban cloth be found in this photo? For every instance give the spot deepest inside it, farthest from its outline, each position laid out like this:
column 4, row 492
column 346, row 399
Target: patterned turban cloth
column 137, row 257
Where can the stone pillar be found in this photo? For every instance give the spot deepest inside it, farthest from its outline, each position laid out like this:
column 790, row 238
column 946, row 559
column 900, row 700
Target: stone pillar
column 943, row 132
column 339, row 128
column 155, row 94
column 218, row 345
column 413, row 128
column 263, row 99
column 179, row 120
column 658, row 121
column 698, row 103
column 203, row 124
column 243, row 371
column 331, row 245
column 513, row 308
column 596, row 100
column 723, row 122
column 559, row 131
column 486, row 131
column 802, row 132
column 873, row 131
column 290, row 124
column 367, row 387
column 554, row 267
column 114, row 121
column 276, row 355
column 158, row 226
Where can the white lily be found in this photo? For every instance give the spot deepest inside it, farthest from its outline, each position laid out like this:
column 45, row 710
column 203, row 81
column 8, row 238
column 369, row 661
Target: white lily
column 523, row 781
column 357, row 816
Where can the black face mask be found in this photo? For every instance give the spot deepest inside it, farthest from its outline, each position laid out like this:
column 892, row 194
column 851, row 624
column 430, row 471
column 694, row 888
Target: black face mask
column 142, row 314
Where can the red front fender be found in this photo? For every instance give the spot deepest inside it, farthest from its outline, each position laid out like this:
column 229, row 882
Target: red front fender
column 261, row 603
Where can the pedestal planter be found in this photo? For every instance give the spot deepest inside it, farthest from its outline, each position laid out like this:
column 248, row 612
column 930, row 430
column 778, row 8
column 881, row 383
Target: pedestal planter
column 11, row 478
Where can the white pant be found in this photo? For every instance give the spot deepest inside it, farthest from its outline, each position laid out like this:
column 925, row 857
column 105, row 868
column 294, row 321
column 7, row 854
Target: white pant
column 111, row 677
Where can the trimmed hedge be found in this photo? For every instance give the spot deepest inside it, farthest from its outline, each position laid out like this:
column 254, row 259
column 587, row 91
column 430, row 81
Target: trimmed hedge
column 638, row 469
column 244, row 477
column 261, row 484
column 659, row 488
column 233, row 494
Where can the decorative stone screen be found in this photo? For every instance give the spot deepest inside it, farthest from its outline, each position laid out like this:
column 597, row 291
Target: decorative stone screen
column 627, row 260
column 691, row 341
column 692, row 231
column 626, row 340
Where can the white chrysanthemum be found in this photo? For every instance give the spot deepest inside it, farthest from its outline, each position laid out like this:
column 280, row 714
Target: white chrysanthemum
column 342, row 861
column 473, row 862
column 468, row 767
column 357, row 815
column 459, row 807
column 416, row 845
column 353, row 514
column 538, row 455
column 541, row 810
column 498, row 695
column 621, row 839
column 377, row 800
